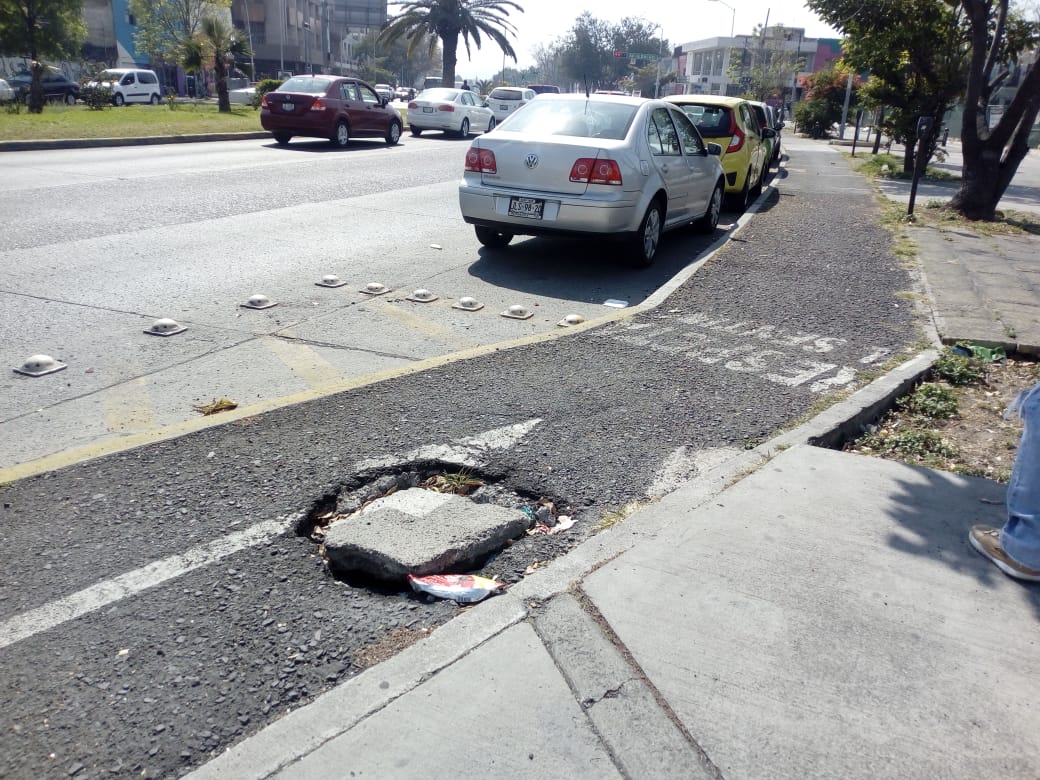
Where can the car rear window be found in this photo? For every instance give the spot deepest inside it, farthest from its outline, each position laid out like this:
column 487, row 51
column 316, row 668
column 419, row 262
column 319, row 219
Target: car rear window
column 712, row 121
column 578, row 118
column 304, row 84
column 507, row 94
column 439, row 93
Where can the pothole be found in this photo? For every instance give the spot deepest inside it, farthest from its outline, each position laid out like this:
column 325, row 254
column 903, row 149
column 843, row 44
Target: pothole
column 430, row 518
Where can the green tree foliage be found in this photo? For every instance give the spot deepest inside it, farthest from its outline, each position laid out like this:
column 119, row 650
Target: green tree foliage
column 586, row 54
column 165, row 26
column 39, row 30
column 423, row 22
column 216, row 44
column 824, row 101
column 916, row 56
column 927, row 53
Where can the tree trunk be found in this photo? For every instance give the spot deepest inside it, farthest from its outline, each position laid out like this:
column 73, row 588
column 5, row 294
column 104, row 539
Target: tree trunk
column 450, row 42
column 908, row 155
column 223, row 99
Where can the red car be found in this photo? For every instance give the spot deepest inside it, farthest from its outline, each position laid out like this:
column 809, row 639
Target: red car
column 335, row 107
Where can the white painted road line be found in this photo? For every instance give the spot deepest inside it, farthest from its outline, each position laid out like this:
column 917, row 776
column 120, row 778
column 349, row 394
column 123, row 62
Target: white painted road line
column 125, row 585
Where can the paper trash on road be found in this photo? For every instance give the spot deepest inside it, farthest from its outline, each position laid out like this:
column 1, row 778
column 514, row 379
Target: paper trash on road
column 465, row 588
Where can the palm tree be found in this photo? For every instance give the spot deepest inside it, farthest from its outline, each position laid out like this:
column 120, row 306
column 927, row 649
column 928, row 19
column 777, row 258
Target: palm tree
column 218, row 44
column 424, row 21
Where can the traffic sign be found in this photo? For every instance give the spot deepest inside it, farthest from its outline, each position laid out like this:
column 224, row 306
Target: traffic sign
column 642, row 55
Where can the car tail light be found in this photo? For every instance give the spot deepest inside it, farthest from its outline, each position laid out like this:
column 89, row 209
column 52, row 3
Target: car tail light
column 413, row 104
column 481, row 161
column 737, row 139
column 263, row 102
column 318, row 105
column 595, row 171
column 446, row 107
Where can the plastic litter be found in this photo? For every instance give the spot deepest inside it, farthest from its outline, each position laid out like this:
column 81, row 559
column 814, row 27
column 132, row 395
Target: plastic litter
column 464, row 588
column 987, row 354
column 563, row 522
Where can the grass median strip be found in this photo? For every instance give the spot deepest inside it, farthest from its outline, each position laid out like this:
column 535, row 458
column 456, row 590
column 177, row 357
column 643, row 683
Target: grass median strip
column 58, row 122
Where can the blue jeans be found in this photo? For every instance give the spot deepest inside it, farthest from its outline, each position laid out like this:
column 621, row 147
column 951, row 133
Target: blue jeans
column 1020, row 536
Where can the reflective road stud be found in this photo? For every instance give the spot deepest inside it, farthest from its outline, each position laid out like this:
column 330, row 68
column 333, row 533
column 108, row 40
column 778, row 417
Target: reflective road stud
column 39, row 365
column 517, row 312
column 422, row 296
column 375, row 288
column 466, row 303
column 330, row 280
column 258, row 302
column 165, row 327
column 571, row 319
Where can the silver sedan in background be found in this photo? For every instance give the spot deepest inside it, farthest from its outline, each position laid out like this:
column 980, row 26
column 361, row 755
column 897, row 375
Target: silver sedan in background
column 456, row 111
column 600, row 166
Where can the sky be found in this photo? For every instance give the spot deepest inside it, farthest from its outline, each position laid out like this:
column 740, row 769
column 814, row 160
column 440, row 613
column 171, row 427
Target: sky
column 682, row 21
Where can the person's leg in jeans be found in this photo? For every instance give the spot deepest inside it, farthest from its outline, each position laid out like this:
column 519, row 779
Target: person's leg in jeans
column 1015, row 548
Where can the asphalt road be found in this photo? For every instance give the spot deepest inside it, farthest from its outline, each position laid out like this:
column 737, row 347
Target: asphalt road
column 156, row 604
column 100, row 243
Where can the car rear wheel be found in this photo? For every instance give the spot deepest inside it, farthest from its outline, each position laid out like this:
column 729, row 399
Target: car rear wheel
column 341, row 135
column 154, row 99
column 70, row 99
column 464, row 129
column 416, row 131
column 491, row 125
column 710, row 220
column 281, row 138
column 492, row 238
column 644, row 246
column 393, row 134
column 741, row 200
column 118, row 99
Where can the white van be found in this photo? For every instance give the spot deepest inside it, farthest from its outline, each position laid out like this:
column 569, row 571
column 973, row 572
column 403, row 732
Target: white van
column 130, row 85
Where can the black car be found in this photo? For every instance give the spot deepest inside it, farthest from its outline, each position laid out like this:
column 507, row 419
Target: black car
column 55, row 87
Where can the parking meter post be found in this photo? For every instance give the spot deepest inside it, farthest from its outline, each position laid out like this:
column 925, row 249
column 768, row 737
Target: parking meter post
column 924, row 130
column 877, row 130
column 855, row 137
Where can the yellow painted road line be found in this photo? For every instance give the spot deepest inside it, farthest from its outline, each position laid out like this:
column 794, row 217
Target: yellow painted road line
column 304, row 361
column 421, row 325
column 128, row 407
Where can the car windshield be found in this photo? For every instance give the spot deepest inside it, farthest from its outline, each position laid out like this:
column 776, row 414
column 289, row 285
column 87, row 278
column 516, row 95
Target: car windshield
column 441, row 93
column 712, row 121
column 578, row 118
column 304, row 84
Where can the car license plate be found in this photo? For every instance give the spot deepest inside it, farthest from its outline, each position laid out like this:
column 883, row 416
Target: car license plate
column 288, row 106
column 503, row 108
column 427, row 109
column 528, row 208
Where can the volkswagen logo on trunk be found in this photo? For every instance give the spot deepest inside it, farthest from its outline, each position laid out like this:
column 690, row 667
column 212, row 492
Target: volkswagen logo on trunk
column 531, row 161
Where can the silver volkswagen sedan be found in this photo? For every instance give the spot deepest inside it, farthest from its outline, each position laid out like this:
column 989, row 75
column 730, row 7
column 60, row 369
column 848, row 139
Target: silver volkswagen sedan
column 601, row 166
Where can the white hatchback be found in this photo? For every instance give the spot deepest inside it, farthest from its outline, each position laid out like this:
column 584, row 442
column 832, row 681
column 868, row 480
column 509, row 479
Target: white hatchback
column 129, row 85
column 504, row 101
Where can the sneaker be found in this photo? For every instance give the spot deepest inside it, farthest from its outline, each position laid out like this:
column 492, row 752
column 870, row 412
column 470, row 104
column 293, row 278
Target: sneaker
column 986, row 540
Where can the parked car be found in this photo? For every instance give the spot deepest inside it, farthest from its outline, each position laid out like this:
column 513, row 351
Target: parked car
column 544, row 89
column 129, row 85
column 507, row 100
column 404, row 93
column 456, row 111
column 771, row 118
column 603, row 166
column 335, row 107
column 55, row 86
column 384, row 91
column 6, row 92
column 732, row 123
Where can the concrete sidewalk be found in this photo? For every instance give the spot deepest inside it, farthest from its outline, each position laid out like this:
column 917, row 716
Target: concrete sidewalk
column 795, row 612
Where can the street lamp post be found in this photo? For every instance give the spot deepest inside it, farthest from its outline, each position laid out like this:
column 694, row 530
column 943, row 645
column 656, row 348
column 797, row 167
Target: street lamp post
column 733, row 21
column 660, row 53
column 307, row 46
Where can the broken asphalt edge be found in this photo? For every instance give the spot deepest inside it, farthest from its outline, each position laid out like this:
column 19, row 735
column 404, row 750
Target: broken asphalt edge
column 304, row 730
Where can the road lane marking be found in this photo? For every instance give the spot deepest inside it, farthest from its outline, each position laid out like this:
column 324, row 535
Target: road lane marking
column 468, row 451
column 133, row 582
column 304, row 361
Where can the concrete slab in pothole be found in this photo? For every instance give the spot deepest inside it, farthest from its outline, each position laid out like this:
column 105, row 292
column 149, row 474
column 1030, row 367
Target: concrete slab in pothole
column 420, row 532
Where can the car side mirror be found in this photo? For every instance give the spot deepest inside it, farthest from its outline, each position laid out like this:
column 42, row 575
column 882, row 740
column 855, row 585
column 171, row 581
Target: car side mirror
column 780, row 125
column 768, row 132
column 715, row 150
column 485, row 104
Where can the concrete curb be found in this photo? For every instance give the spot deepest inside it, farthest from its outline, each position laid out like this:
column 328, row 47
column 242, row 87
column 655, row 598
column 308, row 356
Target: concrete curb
column 88, row 143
